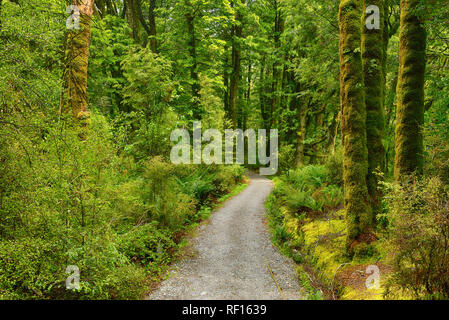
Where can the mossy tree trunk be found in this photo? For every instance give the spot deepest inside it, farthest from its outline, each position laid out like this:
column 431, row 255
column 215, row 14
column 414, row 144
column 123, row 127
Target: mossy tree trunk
column 190, row 16
column 237, row 30
column 74, row 97
column 276, row 87
column 149, row 27
column 374, row 58
column 355, row 162
column 410, row 93
column 132, row 17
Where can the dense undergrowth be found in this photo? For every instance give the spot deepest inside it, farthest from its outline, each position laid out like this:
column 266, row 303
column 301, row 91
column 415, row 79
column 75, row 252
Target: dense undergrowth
column 410, row 252
column 121, row 221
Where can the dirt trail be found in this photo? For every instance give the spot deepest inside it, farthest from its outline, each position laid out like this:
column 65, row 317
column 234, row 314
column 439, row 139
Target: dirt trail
column 232, row 254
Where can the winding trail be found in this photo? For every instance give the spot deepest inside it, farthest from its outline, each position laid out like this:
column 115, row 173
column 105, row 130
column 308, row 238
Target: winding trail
column 232, row 255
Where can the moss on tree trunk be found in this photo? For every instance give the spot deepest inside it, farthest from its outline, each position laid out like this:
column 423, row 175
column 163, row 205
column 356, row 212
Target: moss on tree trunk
column 355, row 163
column 74, row 98
column 410, row 93
column 373, row 58
column 237, row 33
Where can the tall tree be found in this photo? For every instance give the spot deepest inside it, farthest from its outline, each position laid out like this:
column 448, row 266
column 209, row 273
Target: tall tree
column 237, row 32
column 374, row 59
column 410, row 92
column 74, row 97
column 355, row 157
column 190, row 16
column 132, row 16
column 279, row 25
column 149, row 27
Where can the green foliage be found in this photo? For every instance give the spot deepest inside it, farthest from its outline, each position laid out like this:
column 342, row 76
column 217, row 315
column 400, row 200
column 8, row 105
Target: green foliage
column 334, row 165
column 113, row 205
column 308, row 178
column 149, row 81
column 287, row 157
column 418, row 234
column 110, row 45
column 149, row 245
column 29, row 268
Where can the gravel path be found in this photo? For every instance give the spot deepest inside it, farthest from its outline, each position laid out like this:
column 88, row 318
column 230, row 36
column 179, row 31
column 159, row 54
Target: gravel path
column 231, row 256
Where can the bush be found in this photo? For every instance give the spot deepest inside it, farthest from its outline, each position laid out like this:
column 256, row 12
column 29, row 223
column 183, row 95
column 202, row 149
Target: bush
column 167, row 202
column 301, row 201
column 29, row 269
column 418, row 236
column 148, row 245
column 32, row 268
column 334, row 165
column 309, row 177
column 287, row 158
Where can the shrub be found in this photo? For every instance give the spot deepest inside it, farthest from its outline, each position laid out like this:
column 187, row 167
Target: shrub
column 301, row 200
column 308, row 178
column 287, row 158
column 148, row 245
column 29, row 268
column 418, row 216
column 332, row 196
column 167, row 203
column 334, row 165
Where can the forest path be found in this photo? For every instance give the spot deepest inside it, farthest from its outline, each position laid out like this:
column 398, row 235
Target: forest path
column 232, row 254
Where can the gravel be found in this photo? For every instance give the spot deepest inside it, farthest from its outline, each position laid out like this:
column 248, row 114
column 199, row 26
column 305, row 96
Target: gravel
column 231, row 256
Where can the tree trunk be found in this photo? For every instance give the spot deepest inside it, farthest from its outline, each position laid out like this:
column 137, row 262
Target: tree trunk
column 150, row 27
column 373, row 56
column 227, row 109
column 301, row 135
column 197, row 114
column 262, row 95
column 359, row 217
column 279, row 25
column 152, row 22
column 410, row 93
column 236, row 63
column 74, row 97
column 132, row 16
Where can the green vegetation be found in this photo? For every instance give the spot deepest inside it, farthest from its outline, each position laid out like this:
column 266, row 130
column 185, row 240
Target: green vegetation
column 86, row 116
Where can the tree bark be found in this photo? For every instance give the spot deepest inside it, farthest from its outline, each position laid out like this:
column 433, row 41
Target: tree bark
column 149, row 27
column 279, row 25
column 190, row 19
column 152, row 22
column 74, row 97
column 410, row 93
column 132, row 17
column 359, row 217
column 237, row 31
column 373, row 57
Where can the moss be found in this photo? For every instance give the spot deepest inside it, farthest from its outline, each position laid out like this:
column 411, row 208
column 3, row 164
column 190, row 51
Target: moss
column 410, row 93
column 325, row 242
column 74, row 97
column 350, row 293
column 373, row 57
column 355, row 163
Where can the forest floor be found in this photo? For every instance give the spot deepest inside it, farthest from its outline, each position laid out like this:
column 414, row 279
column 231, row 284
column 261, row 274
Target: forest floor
column 232, row 257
